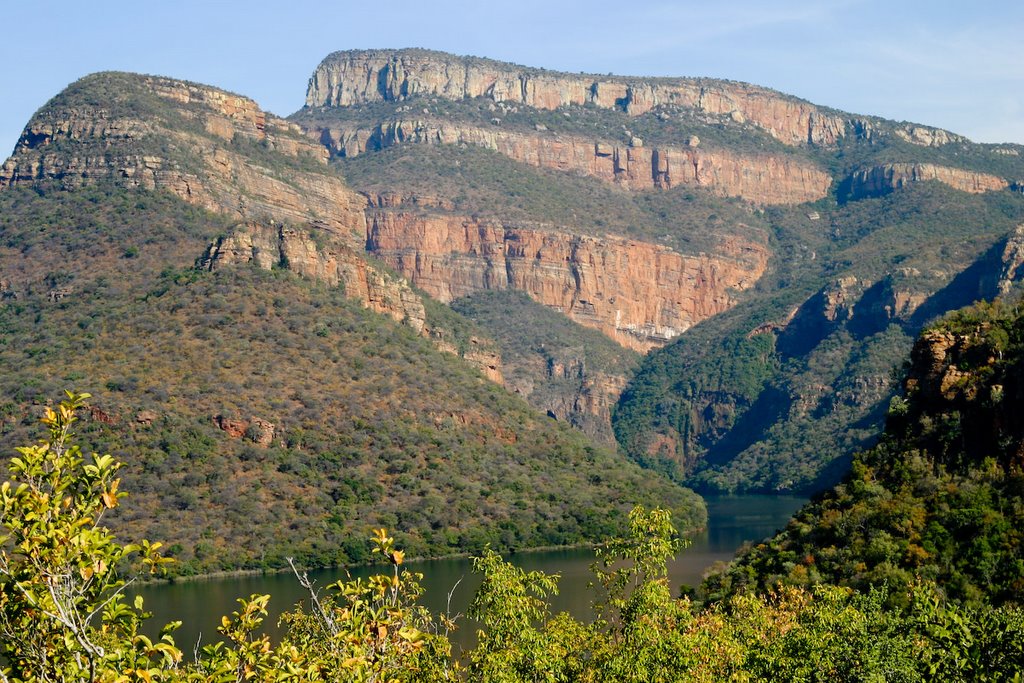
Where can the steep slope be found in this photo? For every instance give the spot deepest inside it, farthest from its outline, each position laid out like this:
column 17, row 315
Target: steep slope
column 777, row 394
column 940, row 497
column 566, row 370
column 227, row 322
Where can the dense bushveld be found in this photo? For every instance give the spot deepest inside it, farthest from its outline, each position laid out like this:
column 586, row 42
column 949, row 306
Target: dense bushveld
column 373, row 426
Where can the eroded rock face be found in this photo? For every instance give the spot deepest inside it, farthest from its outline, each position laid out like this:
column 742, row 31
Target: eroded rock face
column 1012, row 270
column 356, row 77
column 761, row 178
column 209, row 147
column 222, row 152
column 639, row 294
column 927, row 137
column 880, row 180
column 335, row 263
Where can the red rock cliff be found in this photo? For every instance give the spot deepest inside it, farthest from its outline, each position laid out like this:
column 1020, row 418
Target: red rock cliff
column 639, row 294
column 762, row 178
column 878, row 180
column 207, row 146
column 222, row 152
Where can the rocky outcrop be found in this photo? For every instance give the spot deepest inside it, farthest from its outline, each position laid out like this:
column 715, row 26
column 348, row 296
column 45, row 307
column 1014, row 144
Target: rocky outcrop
column 357, row 77
column 207, row 146
column 927, row 137
column 762, row 178
column 1012, row 271
column 479, row 352
column 639, row 294
column 863, row 307
column 879, row 180
column 222, row 152
column 311, row 256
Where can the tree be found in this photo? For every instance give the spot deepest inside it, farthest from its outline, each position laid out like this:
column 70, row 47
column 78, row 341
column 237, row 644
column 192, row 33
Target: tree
column 63, row 614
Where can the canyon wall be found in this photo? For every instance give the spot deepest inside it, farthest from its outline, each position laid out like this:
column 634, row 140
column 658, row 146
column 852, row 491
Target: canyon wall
column 267, row 246
column 761, row 178
column 879, row 180
column 356, row 77
column 639, row 294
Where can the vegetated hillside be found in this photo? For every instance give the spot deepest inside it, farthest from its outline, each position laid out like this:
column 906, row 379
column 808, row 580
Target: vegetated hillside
column 779, row 392
column 776, row 386
column 561, row 368
column 940, row 497
column 264, row 407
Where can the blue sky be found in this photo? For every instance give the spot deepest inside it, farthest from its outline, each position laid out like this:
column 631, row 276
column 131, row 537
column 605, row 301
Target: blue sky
column 956, row 65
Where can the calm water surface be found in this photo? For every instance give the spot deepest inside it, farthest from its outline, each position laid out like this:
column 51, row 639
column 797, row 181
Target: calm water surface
column 732, row 521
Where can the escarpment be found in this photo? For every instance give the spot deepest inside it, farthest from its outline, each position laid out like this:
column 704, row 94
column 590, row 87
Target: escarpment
column 759, row 177
column 354, row 77
column 639, row 294
column 267, row 246
column 885, row 178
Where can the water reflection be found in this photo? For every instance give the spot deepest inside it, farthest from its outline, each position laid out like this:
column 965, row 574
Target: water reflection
column 732, row 521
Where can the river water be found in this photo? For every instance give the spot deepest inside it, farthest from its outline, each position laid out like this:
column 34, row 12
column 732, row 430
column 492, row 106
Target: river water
column 732, row 521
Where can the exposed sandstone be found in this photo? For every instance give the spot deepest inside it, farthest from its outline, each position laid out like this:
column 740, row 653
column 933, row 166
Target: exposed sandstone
column 355, row 77
column 1012, row 270
column 639, row 294
column 297, row 214
column 332, row 262
column 927, row 137
column 762, row 178
column 879, row 180
column 206, row 164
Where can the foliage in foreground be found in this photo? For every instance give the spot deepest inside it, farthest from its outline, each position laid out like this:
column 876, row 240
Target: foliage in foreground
column 62, row 617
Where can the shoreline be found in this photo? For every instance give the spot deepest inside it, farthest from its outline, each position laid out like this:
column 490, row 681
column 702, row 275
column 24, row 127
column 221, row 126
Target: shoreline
column 235, row 573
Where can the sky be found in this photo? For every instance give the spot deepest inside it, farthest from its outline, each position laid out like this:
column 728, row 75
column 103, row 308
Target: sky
column 957, row 65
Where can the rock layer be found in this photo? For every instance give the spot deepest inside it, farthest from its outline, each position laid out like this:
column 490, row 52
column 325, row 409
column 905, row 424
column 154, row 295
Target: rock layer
column 639, row 294
column 207, row 146
column 222, row 152
column 356, row 77
column 879, row 180
column 762, row 178
column 267, row 246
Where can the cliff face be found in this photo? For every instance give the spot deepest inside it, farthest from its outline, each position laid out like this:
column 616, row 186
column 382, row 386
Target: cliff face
column 879, row 180
column 346, row 78
column 762, row 178
column 211, row 148
column 639, row 294
column 267, row 246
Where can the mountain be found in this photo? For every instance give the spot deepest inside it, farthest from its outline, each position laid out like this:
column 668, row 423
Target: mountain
column 773, row 259
column 374, row 308
column 197, row 265
column 940, row 497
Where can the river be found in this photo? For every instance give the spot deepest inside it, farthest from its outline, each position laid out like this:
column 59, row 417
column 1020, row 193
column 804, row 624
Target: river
column 732, row 521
